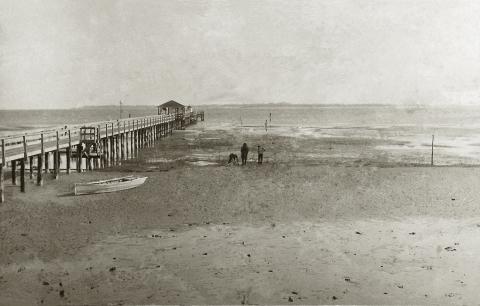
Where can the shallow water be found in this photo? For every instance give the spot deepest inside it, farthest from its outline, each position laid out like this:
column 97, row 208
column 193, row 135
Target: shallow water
column 404, row 133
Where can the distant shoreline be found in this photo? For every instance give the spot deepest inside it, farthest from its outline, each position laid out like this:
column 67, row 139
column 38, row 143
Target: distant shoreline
column 127, row 107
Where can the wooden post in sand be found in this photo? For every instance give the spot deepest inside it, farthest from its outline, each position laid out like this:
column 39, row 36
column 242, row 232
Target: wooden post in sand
column 40, row 163
column 2, row 176
column 431, row 162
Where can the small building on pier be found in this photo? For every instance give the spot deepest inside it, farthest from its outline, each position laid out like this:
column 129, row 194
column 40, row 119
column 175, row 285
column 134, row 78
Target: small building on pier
column 171, row 107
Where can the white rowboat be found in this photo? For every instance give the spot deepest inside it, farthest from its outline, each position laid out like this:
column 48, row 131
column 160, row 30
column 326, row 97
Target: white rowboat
column 111, row 185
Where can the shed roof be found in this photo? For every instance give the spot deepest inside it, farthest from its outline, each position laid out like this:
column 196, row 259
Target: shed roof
column 171, row 104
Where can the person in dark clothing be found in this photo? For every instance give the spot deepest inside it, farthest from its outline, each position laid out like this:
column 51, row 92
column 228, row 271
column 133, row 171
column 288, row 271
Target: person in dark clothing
column 260, row 154
column 244, row 153
column 233, row 158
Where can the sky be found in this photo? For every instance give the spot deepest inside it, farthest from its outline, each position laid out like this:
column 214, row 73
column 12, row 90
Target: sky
column 62, row 54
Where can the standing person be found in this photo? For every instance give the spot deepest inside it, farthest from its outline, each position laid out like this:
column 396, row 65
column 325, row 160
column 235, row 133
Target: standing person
column 270, row 117
column 244, row 153
column 260, row 154
column 266, row 125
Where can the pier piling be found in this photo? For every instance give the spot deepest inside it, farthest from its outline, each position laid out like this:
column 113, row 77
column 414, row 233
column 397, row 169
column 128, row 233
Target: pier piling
column 57, row 158
column 14, row 172
column 2, row 184
column 2, row 176
column 30, row 164
column 47, row 161
column 40, row 162
column 22, row 175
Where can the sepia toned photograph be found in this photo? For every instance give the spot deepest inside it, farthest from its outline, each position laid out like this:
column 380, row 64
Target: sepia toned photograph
column 239, row 152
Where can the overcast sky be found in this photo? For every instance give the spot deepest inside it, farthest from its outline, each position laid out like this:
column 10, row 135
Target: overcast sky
column 75, row 53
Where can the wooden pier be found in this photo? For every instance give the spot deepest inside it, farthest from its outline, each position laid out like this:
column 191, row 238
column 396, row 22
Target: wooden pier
column 119, row 140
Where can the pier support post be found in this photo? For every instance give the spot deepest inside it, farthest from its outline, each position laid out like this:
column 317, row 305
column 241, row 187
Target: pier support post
column 110, row 151
column 55, row 164
column 127, row 144
column 112, row 148
column 30, row 164
column 144, row 137
column 122, row 146
column 117, row 144
column 39, row 170
column 2, row 175
column 2, row 184
column 69, row 152
column 47, row 161
column 79, row 158
column 131, row 143
column 137, row 136
column 40, row 163
column 69, row 156
column 14, row 172
column 22, row 175
column 140, row 139
column 104, row 153
column 22, row 164
column 57, row 157
column 117, row 148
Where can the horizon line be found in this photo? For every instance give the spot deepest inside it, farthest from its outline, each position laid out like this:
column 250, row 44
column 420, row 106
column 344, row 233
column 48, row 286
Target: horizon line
column 247, row 105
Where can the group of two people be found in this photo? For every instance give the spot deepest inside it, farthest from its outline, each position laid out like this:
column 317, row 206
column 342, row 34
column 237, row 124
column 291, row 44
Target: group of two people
column 244, row 153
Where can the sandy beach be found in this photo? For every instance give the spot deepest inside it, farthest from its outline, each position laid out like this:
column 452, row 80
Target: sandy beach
column 299, row 229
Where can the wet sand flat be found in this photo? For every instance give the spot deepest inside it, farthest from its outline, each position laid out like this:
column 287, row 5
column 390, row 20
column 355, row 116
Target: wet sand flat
column 293, row 231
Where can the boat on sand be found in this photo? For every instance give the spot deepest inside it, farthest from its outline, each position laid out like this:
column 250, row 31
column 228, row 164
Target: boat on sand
column 111, row 185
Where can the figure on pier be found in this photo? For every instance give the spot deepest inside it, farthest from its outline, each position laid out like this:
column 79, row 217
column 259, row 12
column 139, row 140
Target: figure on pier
column 92, row 147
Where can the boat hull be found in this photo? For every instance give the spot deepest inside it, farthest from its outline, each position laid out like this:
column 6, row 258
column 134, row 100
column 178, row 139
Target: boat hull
column 107, row 186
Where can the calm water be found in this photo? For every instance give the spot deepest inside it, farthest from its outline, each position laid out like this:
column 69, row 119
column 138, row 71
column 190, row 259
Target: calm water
column 407, row 131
